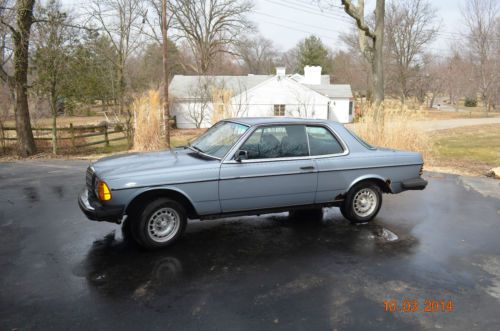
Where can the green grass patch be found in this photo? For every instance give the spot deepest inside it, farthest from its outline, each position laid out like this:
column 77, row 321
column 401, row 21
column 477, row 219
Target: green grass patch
column 472, row 146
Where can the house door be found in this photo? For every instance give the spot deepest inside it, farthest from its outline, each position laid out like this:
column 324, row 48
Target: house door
column 278, row 172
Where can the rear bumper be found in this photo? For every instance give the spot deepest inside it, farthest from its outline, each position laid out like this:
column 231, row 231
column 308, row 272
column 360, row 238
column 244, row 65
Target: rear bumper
column 96, row 211
column 414, row 184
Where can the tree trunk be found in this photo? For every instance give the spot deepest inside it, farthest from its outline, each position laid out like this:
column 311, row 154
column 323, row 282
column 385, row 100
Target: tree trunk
column 53, row 107
column 378, row 55
column 24, row 20
column 121, row 88
column 372, row 52
column 166, row 110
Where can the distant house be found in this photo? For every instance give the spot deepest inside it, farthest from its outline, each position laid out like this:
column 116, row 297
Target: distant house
column 200, row 101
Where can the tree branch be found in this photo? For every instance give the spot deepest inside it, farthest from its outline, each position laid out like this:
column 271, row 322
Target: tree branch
column 11, row 28
column 353, row 11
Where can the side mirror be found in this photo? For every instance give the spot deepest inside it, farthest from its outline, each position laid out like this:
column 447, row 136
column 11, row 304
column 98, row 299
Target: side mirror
column 241, row 155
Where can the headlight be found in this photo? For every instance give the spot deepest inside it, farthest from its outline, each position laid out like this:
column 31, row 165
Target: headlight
column 103, row 191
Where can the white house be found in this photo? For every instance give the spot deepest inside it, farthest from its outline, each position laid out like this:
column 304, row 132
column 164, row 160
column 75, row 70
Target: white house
column 310, row 95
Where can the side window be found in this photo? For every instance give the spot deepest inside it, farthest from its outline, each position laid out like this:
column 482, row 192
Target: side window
column 322, row 142
column 277, row 141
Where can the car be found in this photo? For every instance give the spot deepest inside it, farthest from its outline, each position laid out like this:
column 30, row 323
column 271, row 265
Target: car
column 247, row 166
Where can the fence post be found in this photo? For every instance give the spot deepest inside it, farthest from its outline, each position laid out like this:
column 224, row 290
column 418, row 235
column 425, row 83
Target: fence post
column 2, row 136
column 72, row 135
column 106, row 134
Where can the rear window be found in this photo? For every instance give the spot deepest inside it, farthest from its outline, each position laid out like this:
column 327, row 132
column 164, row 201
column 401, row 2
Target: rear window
column 361, row 141
column 322, row 142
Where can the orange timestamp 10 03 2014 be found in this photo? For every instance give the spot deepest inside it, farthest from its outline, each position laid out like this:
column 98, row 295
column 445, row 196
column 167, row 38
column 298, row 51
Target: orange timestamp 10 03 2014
column 416, row 306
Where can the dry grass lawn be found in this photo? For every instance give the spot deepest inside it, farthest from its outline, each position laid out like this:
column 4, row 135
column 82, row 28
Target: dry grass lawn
column 471, row 150
column 444, row 115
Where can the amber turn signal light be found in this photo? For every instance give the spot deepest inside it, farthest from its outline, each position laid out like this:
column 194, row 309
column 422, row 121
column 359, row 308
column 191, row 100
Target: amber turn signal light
column 103, row 191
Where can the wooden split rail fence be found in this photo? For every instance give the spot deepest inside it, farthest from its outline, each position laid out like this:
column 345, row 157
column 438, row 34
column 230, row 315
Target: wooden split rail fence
column 75, row 134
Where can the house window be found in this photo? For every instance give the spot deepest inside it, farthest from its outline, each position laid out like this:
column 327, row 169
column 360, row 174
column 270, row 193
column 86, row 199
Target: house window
column 350, row 107
column 279, row 110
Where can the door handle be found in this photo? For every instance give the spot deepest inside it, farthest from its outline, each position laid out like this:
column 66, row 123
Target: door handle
column 307, row 168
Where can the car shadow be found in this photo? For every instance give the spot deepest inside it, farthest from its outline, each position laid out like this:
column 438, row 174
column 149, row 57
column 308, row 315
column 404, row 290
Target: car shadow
column 117, row 267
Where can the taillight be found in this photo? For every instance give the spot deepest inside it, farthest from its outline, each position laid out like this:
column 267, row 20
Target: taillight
column 421, row 172
column 103, row 191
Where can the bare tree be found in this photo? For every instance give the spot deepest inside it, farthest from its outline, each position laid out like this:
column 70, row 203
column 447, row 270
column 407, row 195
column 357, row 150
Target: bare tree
column 481, row 20
column 239, row 101
column 19, row 80
column 456, row 83
column 7, row 15
column 410, row 26
column 258, row 54
column 121, row 21
column 199, row 101
column 371, row 42
column 211, row 27
column 153, row 19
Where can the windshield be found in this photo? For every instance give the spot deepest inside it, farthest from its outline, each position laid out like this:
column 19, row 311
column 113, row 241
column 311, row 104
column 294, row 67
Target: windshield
column 219, row 139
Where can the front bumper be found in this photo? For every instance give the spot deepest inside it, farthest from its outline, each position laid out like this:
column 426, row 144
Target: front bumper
column 414, row 184
column 96, row 211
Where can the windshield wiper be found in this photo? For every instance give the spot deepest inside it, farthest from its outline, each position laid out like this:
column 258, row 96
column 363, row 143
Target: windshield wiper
column 196, row 149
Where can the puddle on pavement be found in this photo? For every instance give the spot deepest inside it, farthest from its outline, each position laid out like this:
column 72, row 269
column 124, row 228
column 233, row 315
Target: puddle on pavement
column 117, row 267
column 383, row 234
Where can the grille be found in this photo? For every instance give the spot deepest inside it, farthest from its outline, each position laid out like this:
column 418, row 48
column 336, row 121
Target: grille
column 89, row 179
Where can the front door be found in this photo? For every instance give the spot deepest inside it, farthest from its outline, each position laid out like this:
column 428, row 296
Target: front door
column 278, row 172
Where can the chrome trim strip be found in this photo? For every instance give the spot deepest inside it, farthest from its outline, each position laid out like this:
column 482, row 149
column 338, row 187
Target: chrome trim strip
column 371, row 167
column 167, row 184
column 346, row 151
column 270, row 175
column 264, row 175
column 314, row 171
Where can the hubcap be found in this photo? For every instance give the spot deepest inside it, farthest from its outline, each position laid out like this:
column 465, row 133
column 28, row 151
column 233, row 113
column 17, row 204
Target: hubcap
column 365, row 202
column 163, row 224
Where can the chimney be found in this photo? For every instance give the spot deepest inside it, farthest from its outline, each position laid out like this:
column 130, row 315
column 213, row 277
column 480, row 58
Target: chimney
column 280, row 72
column 312, row 75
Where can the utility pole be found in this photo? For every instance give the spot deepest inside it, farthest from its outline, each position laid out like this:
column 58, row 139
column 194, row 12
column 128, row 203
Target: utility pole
column 166, row 110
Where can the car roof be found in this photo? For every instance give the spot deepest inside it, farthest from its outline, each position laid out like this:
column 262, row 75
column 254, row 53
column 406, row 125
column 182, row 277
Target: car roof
column 252, row 121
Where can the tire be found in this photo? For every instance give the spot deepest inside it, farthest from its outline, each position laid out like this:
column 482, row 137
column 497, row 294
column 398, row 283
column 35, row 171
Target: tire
column 314, row 215
column 160, row 224
column 362, row 203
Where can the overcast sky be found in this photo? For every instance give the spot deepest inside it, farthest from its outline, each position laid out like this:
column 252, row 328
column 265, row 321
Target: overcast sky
column 288, row 21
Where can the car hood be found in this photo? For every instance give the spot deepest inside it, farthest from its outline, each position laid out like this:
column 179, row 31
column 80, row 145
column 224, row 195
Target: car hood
column 150, row 164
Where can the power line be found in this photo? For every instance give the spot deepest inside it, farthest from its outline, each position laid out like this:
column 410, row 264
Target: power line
column 299, row 30
column 302, row 24
column 305, row 10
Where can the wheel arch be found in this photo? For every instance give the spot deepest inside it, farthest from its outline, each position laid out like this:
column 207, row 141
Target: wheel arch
column 383, row 183
column 171, row 193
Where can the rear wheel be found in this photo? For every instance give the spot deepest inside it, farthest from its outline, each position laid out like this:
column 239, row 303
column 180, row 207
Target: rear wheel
column 362, row 203
column 161, row 223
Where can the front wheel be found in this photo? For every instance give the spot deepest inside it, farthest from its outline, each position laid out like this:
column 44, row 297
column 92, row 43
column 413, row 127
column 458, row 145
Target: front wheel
column 362, row 203
column 160, row 224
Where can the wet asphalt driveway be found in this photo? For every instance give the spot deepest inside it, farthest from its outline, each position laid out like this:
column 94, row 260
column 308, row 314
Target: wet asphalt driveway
column 61, row 271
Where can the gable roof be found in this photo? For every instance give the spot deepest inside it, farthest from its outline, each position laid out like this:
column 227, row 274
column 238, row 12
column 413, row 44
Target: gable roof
column 333, row 90
column 325, row 79
column 181, row 86
column 251, row 121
